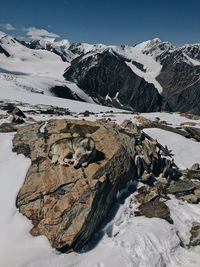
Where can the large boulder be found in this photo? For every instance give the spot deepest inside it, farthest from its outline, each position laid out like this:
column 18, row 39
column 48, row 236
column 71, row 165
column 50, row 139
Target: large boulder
column 67, row 204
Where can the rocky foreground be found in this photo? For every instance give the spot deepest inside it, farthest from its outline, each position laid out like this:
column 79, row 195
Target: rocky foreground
column 67, row 205
column 64, row 203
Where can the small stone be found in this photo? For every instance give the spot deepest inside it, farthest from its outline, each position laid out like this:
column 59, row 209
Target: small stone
column 126, row 123
column 181, row 186
column 155, row 208
column 145, row 177
column 7, row 128
column 195, row 234
column 161, row 184
column 195, row 167
column 193, row 174
column 197, row 192
column 162, row 180
column 16, row 111
column 193, row 199
column 147, row 194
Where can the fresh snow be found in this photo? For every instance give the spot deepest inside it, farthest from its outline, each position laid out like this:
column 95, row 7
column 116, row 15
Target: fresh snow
column 194, row 62
column 186, row 150
column 174, row 119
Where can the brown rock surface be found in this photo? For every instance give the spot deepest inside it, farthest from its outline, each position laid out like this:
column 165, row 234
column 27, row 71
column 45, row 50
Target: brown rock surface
column 67, row 204
column 146, row 194
column 155, row 208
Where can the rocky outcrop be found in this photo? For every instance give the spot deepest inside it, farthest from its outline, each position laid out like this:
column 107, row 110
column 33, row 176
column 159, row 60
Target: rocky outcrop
column 67, row 204
column 107, row 78
column 3, row 51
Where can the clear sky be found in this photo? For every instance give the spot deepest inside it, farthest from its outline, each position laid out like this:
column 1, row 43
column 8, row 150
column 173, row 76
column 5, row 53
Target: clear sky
column 105, row 21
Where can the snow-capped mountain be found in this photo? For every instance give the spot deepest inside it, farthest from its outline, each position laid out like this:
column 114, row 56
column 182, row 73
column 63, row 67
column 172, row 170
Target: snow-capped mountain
column 149, row 76
column 173, row 71
column 59, row 47
column 35, row 71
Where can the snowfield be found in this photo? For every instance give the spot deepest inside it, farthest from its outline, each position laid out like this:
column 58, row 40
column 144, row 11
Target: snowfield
column 35, row 71
column 186, row 151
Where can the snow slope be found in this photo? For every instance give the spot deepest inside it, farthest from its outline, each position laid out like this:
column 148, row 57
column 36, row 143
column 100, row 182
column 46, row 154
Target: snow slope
column 35, row 71
column 186, row 150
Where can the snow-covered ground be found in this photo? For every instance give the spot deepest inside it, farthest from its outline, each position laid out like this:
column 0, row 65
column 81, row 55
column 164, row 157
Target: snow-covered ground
column 125, row 240
column 186, row 151
column 174, row 119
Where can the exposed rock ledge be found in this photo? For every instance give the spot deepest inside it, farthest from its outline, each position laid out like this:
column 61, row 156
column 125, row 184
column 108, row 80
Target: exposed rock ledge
column 67, row 204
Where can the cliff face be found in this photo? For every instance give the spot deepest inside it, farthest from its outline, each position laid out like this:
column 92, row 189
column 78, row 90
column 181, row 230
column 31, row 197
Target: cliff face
column 107, row 78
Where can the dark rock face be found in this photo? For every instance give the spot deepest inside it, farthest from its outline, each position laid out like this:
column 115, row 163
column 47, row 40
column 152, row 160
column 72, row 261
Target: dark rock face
column 181, row 87
column 67, row 204
column 64, row 92
column 60, row 51
column 104, row 75
column 3, row 51
column 179, row 76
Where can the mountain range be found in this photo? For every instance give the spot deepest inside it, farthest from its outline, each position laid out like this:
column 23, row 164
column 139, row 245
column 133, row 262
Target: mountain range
column 150, row 76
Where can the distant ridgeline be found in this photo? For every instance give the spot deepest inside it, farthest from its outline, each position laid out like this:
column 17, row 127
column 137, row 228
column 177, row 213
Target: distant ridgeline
column 151, row 76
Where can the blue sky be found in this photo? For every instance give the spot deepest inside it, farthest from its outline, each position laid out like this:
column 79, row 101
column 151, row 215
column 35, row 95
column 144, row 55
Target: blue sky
column 110, row 22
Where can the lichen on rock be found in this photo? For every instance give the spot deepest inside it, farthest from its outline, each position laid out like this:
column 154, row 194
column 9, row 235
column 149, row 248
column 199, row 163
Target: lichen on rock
column 67, row 204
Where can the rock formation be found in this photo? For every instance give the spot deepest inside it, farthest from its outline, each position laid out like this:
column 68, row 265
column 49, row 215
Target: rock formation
column 67, row 204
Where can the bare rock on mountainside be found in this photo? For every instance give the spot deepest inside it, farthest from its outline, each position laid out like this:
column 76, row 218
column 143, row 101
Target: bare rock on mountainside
column 67, row 204
column 108, row 78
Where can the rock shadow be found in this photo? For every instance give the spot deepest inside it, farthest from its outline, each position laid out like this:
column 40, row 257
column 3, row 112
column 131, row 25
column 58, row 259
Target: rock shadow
column 106, row 227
